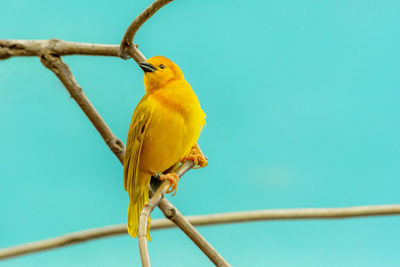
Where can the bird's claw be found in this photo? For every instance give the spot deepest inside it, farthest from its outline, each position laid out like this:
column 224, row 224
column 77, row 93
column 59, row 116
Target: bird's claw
column 173, row 178
column 200, row 161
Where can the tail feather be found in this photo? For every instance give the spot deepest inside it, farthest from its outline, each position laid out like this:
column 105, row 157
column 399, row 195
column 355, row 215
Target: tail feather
column 136, row 204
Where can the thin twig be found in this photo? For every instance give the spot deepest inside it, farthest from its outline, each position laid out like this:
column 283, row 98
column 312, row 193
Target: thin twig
column 128, row 49
column 56, row 65
column 25, row 48
column 203, row 220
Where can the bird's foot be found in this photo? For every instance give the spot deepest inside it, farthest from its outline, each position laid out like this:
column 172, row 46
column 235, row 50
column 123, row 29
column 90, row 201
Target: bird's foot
column 173, row 178
column 200, row 161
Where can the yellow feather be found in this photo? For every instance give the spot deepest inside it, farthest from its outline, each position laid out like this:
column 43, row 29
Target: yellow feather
column 165, row 125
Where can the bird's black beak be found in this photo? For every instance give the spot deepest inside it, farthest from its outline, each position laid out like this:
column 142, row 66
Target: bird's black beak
column 147, row 67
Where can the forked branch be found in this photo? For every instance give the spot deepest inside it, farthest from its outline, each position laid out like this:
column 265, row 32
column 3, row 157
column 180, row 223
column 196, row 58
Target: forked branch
column 50, row 51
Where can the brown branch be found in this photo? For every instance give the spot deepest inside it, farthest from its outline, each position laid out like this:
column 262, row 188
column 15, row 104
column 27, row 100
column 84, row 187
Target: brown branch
column 24, row 48
column 56, row 65
column 203, row 220
column 127, row 47
column 49, row 51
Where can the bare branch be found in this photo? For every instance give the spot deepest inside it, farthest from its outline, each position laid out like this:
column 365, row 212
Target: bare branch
column 50, row 52
column 24, row 48
column 203, row 220
column 56, row 65
column 127, row 47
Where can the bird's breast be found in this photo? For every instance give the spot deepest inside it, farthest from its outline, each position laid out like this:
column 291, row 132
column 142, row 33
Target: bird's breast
column 174, row 128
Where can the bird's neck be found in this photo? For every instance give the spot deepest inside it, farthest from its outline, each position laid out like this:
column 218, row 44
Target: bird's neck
column 177, row 96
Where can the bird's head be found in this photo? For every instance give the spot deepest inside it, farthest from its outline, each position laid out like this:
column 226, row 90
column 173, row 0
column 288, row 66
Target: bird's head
column 159, row 71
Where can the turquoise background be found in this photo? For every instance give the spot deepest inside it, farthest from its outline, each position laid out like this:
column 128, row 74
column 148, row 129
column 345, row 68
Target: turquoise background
column 302, row 99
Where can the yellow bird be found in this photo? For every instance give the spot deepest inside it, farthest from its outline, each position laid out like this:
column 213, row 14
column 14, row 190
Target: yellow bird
column 164, row 130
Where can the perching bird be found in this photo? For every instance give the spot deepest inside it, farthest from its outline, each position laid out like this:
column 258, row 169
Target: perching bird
column 164, row 130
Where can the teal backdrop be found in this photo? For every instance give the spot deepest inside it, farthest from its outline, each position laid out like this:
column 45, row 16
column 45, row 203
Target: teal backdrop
column 302, row 102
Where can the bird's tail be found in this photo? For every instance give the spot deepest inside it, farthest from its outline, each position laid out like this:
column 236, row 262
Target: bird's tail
column 136, row 204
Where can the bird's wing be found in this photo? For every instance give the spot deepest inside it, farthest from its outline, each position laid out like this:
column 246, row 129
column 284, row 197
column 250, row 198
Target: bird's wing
column 140, row 120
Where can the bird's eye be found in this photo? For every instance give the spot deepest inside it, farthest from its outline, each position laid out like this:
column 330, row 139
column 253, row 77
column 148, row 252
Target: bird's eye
column 162, row 66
